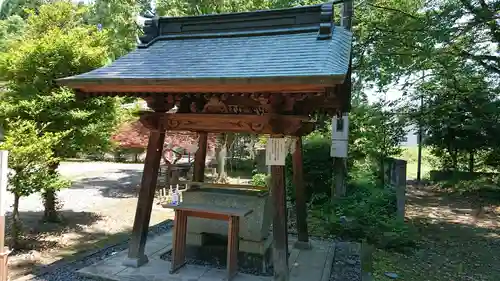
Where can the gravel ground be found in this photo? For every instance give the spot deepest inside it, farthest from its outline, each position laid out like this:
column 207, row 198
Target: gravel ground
column 88, row 209
column 347, row 263
column 94, row 184
column 215, row 262
column 66, row 272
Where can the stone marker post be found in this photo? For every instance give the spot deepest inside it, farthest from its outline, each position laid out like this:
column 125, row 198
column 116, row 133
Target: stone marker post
column 400, row 183
column 396, row 176
column 4, row 251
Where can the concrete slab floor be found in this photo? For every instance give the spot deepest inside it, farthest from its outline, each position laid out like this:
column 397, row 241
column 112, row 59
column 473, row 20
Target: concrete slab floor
column 305, row 264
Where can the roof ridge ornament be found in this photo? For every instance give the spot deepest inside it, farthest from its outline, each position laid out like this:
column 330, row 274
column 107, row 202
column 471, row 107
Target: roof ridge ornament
column 326, row 21
column 151, row 30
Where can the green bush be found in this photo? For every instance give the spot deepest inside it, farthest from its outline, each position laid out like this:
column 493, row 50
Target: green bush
column 317, row 167
column 259, row 180
column 240, row 164
column 486, row 186
column 367, row 213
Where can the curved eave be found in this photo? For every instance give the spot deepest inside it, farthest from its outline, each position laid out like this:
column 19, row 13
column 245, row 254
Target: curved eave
column 214, row 84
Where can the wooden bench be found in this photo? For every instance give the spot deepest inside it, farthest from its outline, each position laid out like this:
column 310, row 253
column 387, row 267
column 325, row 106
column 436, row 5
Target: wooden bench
column 232, row 215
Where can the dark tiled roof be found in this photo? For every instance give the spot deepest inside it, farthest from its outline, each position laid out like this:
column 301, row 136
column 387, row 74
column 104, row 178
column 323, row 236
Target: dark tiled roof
column 283, row 43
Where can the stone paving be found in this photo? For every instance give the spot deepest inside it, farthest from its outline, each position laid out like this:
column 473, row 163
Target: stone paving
column 310, row 265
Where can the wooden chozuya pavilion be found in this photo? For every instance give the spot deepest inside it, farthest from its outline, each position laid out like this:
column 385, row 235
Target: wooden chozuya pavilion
column 263, row 72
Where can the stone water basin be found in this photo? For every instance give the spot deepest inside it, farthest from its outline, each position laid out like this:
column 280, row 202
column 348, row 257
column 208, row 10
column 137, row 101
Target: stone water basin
column 254, row 227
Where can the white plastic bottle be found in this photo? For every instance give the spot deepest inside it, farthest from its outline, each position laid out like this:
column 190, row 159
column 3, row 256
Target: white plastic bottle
column 175, row 196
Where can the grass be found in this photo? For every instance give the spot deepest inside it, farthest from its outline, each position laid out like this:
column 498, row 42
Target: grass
column 460, row 240
column 410, row 154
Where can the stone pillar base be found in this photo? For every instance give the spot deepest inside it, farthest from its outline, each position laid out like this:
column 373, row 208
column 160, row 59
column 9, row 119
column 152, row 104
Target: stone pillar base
column 135, row 262
column 251, row 254
column 216, row 256
column 254, row 247
column 301, row 245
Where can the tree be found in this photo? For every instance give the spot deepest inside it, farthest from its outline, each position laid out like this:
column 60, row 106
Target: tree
column 30, row 155
column 19, row 7
column 406, row 41
column 376, row 131
column 431, row 47
column 119, row 18
column 56, row 44
column 460, row 116
column 145, row 8
column 10, row 30
column 201, row 7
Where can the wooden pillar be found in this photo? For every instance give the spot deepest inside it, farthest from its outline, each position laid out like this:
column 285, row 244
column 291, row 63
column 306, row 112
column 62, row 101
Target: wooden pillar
column 200, row 157
column 300, row 196
column 4, row 251
column 280, row 233
column 136, row 256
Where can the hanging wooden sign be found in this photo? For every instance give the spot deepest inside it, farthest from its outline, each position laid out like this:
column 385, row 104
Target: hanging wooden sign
column 276, row 151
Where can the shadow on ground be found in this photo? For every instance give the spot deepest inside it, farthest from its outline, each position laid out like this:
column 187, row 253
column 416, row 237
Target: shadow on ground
column 48, row 245
column 457, row 242
column 125, row 186
column 37, row 234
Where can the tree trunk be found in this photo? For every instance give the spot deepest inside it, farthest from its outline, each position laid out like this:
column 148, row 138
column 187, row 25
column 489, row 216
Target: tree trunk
column 224, row 144
column 50, row 200
column 382, row 170
column 252, row 147
column 471, row 161
column 16, row 224
column 339, row 178
column 230, row 139
column 50, row 203
column 454, row 159
column 221, row 159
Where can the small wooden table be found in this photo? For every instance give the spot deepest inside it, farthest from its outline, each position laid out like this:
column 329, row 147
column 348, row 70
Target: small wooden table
column 232, row 215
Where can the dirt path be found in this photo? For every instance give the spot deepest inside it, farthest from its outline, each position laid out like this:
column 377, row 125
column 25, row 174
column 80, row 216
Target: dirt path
column 460, row 239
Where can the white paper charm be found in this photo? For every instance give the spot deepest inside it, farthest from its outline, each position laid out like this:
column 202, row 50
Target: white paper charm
column 3, row 181
column 276, row 151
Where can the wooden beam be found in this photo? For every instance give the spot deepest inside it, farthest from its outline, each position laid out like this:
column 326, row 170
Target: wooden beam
column 200, row 157
column 161, row 89
column 279, row 84
column 136, row 255
column 300, row 196
column 233, row 239
column 280, row 233
column 238, row 123
column 290, row 103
